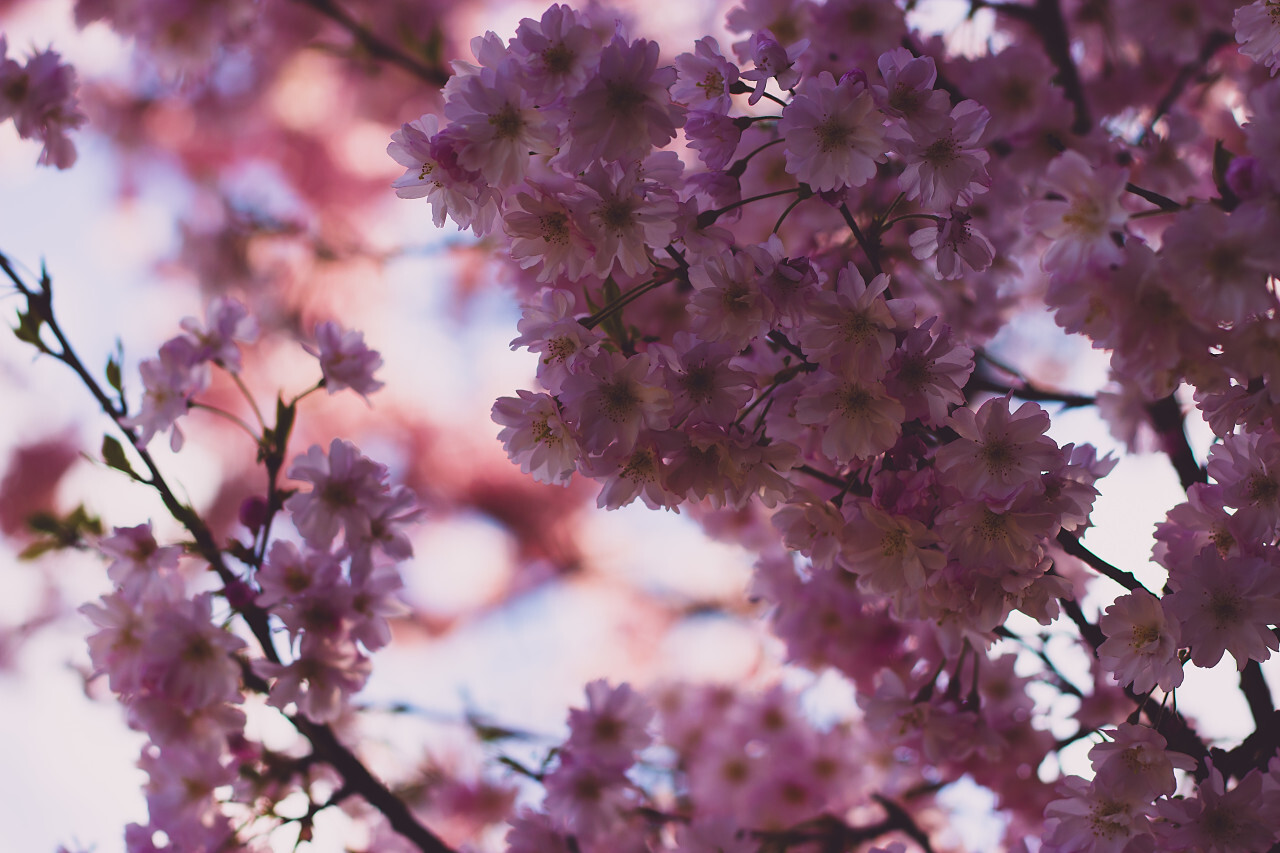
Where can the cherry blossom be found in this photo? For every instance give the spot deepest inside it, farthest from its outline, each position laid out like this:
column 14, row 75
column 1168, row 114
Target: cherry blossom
column 834, row 133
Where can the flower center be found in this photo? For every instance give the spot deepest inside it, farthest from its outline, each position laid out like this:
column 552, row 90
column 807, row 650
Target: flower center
column 507, row 123
column 832, row 134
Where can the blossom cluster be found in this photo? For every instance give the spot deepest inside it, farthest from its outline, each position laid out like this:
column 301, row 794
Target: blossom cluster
column 728, row 318
column 1130, row 804
column 182, row 368
column 787, row 377
column 169, row 647
column 40, row 97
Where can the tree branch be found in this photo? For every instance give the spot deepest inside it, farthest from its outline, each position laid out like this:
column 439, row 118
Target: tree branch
column 1072, row 545
column 1166, row 416
column 376, row 46
column 324, row 742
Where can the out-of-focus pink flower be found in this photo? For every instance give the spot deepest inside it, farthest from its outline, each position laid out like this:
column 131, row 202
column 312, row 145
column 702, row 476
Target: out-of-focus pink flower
column 345, row 360
column 41, row 100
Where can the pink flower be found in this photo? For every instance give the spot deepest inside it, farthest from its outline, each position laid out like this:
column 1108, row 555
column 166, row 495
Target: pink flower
column 228, row 321
column 772, row 60
column 851, row 331
column 1242, row 820
column 347, row 492
column 1142, row 644
column 1082, row 223
column 998, row 535
column 187, row 659
column 634, row 471
column 496, row 124
column 624, row 110
column 535, row 436
column 345, row 360
column 727, row 303
column 432, row 170
column 945, row 164
column 1226, row 605
column 998, row 452
column 559, row 52
column 705, row 77
column 623, row 217
column 585, row 797
column 833, row 133
column 1091, row 819
column 927, row 373
column 714, row 136
column 1258, row 33
column 908, row 91
column 612, row 728
column 139, row 566
column 704, row 386
column 550, row 329
column 614, row 399
column 287, row 574
column 858, row 419
column 1136, row 763
column 1247, row 466
column 320, row 681
column 116, row 648
column 959, row 246
column 171, row 380
column 1222, row 261
column 41, row 100
column 889, row 553
column 544, row 235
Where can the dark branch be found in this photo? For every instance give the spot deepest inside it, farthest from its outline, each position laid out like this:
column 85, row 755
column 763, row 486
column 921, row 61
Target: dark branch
column 375, row 46
column 1073, row 546
column 1166, row 417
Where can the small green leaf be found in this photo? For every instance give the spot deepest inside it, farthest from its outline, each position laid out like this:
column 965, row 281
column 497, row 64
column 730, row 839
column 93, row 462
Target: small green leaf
column 37, row 549
column 58, row 533
column 284, row 420
column 114, row 379
column 28, row 330
column 113, row 455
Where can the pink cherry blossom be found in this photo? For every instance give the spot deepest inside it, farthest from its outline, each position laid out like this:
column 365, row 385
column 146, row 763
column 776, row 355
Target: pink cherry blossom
column 535, row 435
column 834, row 134
column 1142, row 644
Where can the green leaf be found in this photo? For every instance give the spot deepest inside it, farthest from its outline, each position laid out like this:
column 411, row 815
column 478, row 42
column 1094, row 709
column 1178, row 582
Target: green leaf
column 28, row 330
column 58, row 533
column 37, row 549
column 113, row 455
column 114, row 379
column 285, row 416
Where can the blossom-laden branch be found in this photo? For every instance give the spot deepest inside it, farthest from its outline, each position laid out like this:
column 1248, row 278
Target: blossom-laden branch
column 38, row 316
